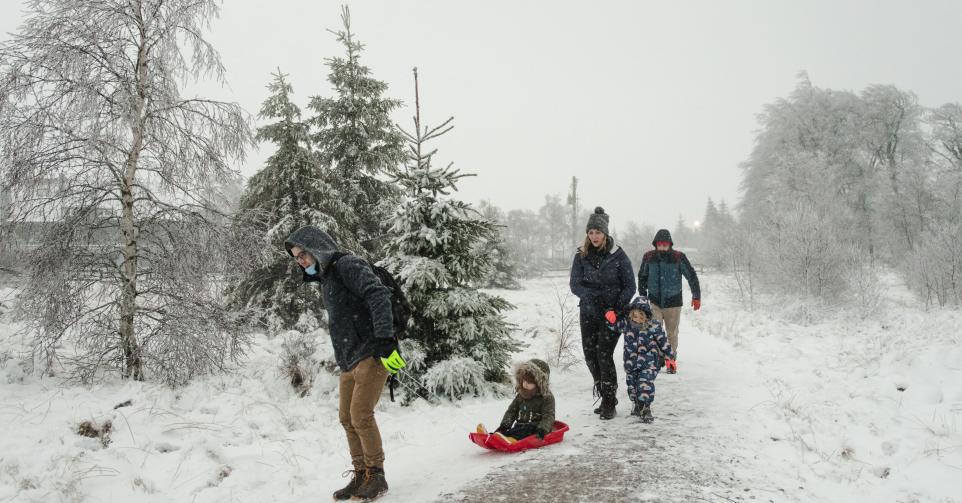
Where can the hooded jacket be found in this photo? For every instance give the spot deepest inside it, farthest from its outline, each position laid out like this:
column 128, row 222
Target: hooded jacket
column 538, row 409
column 643, row 344
column 358, row 304
column 608, row 285
column 659, row 277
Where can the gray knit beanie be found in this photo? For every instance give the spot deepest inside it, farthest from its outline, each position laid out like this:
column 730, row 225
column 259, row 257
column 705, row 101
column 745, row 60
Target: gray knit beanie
column 598, row 221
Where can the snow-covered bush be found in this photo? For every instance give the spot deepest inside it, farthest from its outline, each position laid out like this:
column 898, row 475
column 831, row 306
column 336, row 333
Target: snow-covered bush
column 455, row 377
column 562, row 352
column 934, row 268
column 306, row 357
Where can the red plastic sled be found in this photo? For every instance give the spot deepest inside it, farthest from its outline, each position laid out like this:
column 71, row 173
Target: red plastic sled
column 494, row 442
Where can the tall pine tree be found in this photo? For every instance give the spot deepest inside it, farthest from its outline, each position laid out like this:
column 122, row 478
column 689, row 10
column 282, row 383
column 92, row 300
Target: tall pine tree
column 356, row 142
column 504, row 271
column 283, row 196
column 460, row 341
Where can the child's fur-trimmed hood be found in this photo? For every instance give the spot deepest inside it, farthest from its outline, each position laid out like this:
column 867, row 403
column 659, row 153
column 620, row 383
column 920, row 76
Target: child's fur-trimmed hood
column 538, row 369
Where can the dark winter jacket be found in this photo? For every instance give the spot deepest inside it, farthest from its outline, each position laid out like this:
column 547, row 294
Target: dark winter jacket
column 358, row 305
column 659, row 277
column 602, row 284
column 537, row 410
column 643, row 344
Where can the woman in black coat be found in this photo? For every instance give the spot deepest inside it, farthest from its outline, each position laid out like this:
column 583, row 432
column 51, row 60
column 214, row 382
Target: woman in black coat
column 602, row 278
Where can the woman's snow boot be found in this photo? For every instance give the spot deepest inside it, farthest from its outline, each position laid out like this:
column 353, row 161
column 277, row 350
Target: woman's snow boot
column 608, row 401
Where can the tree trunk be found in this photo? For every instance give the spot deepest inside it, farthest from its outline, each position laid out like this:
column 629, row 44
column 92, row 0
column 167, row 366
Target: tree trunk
column 133, row 365
column 573, row 201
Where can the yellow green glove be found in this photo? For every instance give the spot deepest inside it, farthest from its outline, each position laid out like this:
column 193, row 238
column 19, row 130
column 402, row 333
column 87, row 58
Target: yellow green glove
column 393, row 362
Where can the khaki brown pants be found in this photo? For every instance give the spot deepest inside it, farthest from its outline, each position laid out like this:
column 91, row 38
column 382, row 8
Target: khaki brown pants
column 671, row 316
column 360, row 389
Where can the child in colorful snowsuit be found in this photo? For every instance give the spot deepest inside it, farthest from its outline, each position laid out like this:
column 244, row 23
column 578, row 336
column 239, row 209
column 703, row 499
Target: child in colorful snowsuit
column 644, row 344
column 532, row 410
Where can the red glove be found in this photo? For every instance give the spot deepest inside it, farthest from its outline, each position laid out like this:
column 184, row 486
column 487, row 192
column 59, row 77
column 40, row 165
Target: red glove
column 696, row 303
column 611, row 316
column 671, row 366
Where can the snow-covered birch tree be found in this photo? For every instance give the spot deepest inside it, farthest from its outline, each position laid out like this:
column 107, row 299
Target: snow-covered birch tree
column 120, row 170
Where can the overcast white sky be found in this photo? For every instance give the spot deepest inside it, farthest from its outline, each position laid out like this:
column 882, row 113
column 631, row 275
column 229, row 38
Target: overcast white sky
column 650, row 104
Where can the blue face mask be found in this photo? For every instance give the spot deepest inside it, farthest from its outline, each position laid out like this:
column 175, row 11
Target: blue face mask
column 312, row 270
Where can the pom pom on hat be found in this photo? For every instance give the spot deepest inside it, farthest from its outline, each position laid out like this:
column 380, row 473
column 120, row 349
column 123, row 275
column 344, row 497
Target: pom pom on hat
column 598, row 221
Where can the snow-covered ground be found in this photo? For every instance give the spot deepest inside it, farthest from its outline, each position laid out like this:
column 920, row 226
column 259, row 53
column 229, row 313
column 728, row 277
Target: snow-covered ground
column 763, row 409
column 873, row 399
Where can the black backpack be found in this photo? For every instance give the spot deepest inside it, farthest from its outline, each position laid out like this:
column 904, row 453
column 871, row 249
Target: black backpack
column 400, row 307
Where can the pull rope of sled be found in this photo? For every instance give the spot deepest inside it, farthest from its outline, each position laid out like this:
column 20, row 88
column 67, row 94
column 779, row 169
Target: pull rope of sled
column 416, row 392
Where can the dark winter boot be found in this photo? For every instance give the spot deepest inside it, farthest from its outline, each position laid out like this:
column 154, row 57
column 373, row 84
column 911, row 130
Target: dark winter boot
column 373, row 485
column 596, row 393
column 636, row 410
column 608, row 401
column 646, row 416
column 346, row 493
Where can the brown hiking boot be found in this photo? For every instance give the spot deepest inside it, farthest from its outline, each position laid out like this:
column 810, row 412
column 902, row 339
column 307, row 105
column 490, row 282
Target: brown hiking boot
column 348, row 491
column 373, row 486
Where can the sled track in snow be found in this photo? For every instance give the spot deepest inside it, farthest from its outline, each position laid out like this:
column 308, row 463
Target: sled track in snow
column 688, row 454
column 707, row 442
column 619, row 465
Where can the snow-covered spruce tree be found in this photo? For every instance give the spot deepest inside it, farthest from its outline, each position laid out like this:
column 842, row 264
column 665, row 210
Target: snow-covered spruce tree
column 356, row 141
column 718, row 234
column 504, row 271
column 119, row 172
column 554, row 225
column 636, row 240
column 459, row 341
column 283, row 196
column 525, row 238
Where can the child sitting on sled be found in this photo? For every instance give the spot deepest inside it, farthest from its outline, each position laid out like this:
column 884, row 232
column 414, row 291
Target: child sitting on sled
column 532, row 410
column 645, row 344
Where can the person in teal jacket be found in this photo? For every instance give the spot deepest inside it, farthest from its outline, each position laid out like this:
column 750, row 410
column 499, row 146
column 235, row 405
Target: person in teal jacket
column 659, row 279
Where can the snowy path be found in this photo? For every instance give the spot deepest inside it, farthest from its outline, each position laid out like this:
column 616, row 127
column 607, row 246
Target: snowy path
column 703, row 445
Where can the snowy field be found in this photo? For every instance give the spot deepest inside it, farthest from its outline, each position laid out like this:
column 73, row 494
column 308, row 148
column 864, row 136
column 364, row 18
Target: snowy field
column 783, row 403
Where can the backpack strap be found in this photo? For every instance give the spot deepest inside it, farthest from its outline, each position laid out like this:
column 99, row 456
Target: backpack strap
column 331, row 266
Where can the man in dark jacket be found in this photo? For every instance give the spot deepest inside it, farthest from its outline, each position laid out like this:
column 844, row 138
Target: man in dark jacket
column 362, row 334
column 659, row 278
